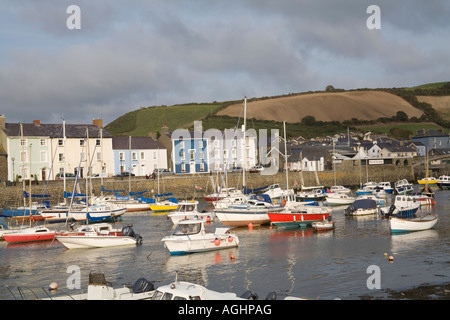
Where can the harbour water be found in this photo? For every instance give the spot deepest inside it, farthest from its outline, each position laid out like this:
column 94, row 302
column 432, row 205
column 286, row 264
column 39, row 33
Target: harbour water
column 295, row 262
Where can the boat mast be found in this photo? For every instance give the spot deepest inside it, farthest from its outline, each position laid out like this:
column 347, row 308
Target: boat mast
column 101, row 155
column 64, row 158
column 243, row 147
column 129, row 170
column 29, row 196
column 285, row 157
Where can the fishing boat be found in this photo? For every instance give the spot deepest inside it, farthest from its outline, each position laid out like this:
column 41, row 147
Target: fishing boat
column 443, row 182
column 190, row 236
column 403, row 187
column 323, row 225
column 362, row 207
column 187, row 210
column 31, row 234
column 99, row 235
column 336, row 199
column 414, row 224
column 403, row 206
column 386, row 186
column 253, row 211
column 380, row 202
column 301, row 217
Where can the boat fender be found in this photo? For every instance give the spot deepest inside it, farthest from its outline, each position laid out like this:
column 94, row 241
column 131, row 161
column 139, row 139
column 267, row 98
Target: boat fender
column 230, row 239
column 217, row 241
column 283, row 202
column 271, row 296
column 249, row 295
column 142, row 285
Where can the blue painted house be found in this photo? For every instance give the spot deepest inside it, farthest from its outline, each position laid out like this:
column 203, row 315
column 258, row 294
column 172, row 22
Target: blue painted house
column 189, row 152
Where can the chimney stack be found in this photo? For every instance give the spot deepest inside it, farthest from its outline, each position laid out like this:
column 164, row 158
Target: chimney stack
column 98, row 122
column 37, row 122
column 2, row 122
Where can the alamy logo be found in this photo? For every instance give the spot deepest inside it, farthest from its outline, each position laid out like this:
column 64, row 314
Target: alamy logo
column 74, row 20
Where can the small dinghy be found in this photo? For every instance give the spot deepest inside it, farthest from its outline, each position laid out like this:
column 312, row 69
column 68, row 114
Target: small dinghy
column 324, row 225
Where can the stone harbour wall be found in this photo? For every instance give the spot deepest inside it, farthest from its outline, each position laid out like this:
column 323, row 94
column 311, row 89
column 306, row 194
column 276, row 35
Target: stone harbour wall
column 183, row 187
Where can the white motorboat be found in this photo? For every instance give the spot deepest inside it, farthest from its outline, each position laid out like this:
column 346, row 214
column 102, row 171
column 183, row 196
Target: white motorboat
column 131, row 205
column 403, row 187
column 386, row 186
column 190, row 236
column 230, row 200
column 98, row 212
column 187, row 210
column 339, row 189
column 254, row 211
column 415, row 224
column 99, row 235
column 100, row 289
column 275, row 192
column 339, row 199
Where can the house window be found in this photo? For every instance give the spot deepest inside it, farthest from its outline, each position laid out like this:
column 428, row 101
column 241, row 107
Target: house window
column 154, row 155
column 182, row 156
column 182, row 144
column 23, row 156
column 97, row 142
column 202, row 166
column 82, row 143
column 143, row 155
column 121, row 156
column 43, row 142
column 82, row 156
column 134, row 155
column 61, row 157
column 200, row 154
column 200, row 144
column 60, row 142
column 23, row 142
column 192, row 155
column 183, row 167
column 43, row 156
column 99, row 156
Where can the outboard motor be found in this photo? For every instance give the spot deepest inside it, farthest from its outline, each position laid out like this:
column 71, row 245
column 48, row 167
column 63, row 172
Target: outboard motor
column 249, row 295
column 142, row 285
column 271, row 296
column 128, row 231
column 391, row 210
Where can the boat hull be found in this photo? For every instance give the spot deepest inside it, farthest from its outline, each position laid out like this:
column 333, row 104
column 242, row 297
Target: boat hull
column 29, row 235
column 411, row 225
column 242, row 219
column 291, row 219
column 208, row 242
column 95, row 241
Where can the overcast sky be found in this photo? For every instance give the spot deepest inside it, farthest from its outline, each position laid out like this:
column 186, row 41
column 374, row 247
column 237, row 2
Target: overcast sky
column 135, row 53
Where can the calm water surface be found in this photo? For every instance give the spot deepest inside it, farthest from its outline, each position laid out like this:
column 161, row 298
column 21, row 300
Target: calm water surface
column 298, row 262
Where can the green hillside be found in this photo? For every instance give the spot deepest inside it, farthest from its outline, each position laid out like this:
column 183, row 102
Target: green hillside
column 144, row 120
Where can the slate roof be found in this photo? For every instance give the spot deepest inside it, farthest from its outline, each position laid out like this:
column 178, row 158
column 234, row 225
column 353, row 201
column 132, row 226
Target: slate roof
column 137, row 143
column 54, row 130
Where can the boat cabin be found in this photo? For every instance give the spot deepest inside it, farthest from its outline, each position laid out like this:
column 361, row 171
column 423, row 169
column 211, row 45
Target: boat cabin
column 189, row 227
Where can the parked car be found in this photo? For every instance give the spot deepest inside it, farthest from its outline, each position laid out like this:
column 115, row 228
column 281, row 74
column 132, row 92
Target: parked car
column 161, row 172
column 125, row 174
column 255, row 169
column 59, row 176
column 236, row 169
